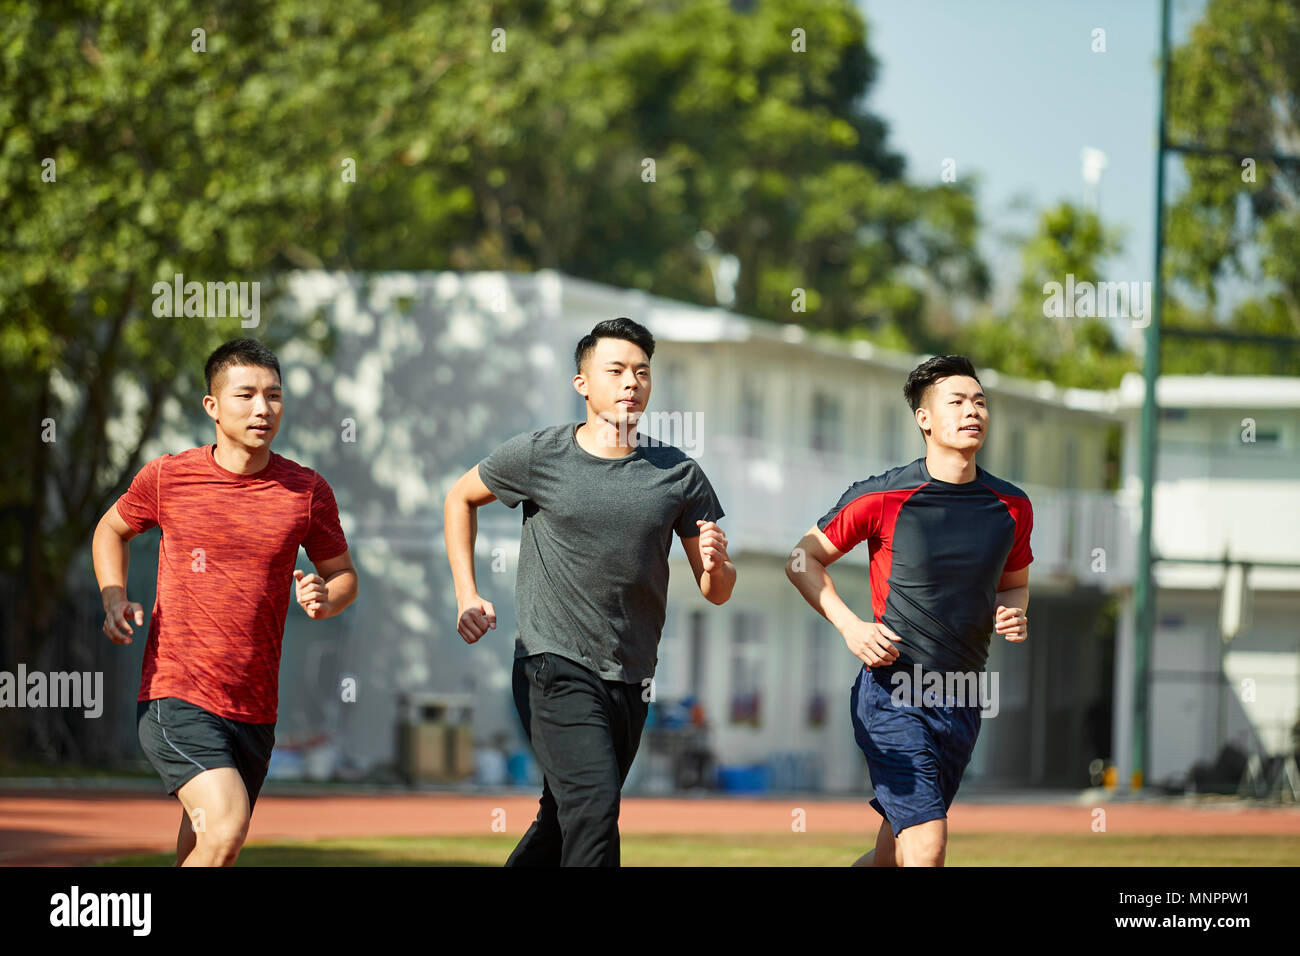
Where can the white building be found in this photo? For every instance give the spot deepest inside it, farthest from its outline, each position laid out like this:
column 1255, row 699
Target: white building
column 1227, row 485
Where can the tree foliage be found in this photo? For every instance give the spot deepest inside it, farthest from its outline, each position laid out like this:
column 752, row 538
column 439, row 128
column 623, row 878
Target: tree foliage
column 537, row 156
column 1025, row 341
column 1234, row 85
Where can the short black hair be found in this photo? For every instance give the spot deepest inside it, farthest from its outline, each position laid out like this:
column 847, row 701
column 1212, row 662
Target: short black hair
column 929, row 372
column 239, row 352
column 620, row 328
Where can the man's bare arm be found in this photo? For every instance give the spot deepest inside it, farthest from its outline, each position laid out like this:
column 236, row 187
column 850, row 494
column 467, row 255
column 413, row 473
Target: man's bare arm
column 715, row 575
column 475, row 616
column 806, row 570
column 111, row 558
column 1012, row 602
column 331, row 589
column 872, row 643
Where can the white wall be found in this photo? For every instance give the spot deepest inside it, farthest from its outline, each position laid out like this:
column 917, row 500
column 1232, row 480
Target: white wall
column 1193, row 712
column 1215, row 492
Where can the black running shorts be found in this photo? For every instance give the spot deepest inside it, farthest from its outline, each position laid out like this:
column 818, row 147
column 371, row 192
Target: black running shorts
column 182, row 740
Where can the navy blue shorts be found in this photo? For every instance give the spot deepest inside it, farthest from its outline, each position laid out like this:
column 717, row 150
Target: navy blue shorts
column 916, row 754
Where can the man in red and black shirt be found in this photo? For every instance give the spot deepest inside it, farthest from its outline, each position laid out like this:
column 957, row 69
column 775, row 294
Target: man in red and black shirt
column 233, row 515
column 949, row 546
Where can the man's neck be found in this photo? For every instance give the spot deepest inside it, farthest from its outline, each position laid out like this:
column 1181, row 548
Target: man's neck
column 238, row 459
column 598, row 437
column 951, row 466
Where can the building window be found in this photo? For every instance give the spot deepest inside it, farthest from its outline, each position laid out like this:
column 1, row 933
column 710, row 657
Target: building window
column 697, row 679
column 816, row 711
column 1264, row 436
column 671, row 386
column 825, row 422
column 746, row 668
column 889, row 433
column 751, row 408
column 1071, row 479
column 1016, row 465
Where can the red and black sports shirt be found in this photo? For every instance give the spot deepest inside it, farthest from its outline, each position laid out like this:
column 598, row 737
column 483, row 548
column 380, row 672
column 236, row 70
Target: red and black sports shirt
column 937, row 550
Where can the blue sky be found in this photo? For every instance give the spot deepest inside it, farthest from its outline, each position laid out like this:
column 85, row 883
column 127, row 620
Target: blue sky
column 1012, row 90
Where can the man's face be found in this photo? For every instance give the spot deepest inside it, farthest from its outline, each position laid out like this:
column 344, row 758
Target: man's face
column 955, row 412
column 246, row 405
column 615, row 380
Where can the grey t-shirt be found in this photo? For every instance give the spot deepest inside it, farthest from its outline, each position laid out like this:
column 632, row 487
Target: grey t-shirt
column 593, row 558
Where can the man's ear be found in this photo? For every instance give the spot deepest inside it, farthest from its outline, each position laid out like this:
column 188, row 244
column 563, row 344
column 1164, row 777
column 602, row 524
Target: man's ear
column 210, row 406
column 580, row 384
column 922, row 418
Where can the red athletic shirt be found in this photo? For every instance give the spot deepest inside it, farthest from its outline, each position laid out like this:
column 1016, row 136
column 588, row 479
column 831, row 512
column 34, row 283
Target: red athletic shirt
column 225, row 574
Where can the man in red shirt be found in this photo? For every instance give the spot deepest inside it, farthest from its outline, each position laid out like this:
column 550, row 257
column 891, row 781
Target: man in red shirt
column 233, row 515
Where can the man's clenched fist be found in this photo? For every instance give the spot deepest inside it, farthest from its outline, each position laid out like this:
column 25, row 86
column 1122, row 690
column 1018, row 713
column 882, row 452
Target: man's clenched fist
column 1011, row 622
column 475, row 618
column 713, row 545
column 311, row 594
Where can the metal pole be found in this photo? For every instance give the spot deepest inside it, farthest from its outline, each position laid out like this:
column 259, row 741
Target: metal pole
column 1145, row 585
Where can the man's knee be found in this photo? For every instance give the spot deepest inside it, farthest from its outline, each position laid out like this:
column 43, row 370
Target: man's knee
column 925, row 855
column 924, row 844
column 224, row 836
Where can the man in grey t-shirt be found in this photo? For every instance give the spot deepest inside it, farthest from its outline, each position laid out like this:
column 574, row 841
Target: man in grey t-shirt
column 601, row 504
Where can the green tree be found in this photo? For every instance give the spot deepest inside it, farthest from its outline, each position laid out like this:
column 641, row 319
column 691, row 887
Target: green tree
column 1234, row 85
column 1068, row 350
column 537, row 156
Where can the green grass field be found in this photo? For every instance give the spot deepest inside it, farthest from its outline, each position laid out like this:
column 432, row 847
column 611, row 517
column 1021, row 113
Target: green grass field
column 795, row 849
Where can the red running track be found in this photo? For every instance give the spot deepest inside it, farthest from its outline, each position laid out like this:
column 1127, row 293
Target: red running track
column 46, row 827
